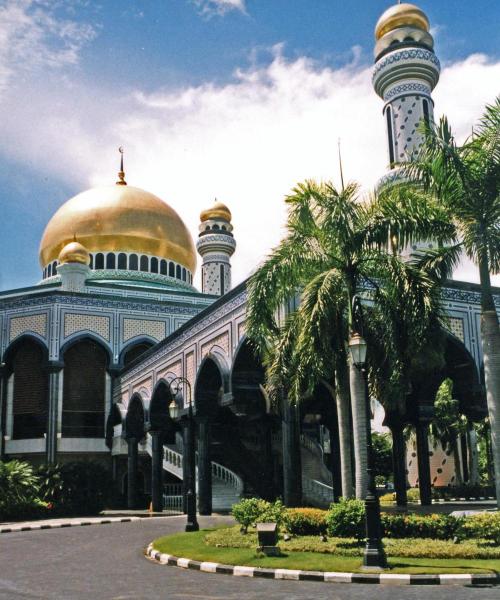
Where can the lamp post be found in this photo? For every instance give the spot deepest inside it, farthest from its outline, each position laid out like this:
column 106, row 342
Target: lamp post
column 374, row 555
column 189, row 450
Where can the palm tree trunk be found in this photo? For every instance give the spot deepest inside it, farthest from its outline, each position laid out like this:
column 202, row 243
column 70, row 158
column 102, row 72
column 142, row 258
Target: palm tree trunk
column 490, row 337
column 358, row 404
column 344, row 427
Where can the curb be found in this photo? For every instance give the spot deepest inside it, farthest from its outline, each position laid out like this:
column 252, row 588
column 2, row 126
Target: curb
column 325, row 577
column 78, row 523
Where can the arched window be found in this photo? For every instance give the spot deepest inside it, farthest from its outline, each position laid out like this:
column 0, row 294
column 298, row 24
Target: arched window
column 91, row 261
column 154, row 265
column 144, row 263
column 389, row 134
column 111, row 261
column 183, row 274
column 122, row 261
column 163, row 267
column 49, row 270
column 178, row 271
column 133, row 262
column 43, row 274
column 134, row 351
column 215, row 227
column 99, row 261
column 84, row 390
column 171, row 269
column 54, row 268
column 425, row 106
column 30, row 393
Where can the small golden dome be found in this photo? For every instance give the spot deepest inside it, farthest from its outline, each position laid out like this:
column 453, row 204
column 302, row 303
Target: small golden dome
column 401, row 15
column 74, row 252
column 119, row 218
column 218, row 210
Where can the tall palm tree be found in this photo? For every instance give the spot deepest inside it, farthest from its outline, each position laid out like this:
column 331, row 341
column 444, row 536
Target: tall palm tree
column 466, row 182
column 332, row 253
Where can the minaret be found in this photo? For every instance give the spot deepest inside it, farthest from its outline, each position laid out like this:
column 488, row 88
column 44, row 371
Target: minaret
column 406, row 71
column 216, row 245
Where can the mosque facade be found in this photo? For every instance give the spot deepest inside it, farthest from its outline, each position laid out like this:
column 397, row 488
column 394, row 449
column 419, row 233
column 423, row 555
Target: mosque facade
column 89, row 353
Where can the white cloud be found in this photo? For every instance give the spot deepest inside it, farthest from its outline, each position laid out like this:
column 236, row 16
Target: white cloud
column 34, row 35
column 210, row 8
column 246, row 142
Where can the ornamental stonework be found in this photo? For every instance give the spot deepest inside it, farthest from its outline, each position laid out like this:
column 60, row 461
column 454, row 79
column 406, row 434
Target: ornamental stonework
column 222, row 341
column 241, row 330
column 456, row 327
column 174, row 368
column 137, row 327
column 190, row 368
column 31, row 323
column 94, row 323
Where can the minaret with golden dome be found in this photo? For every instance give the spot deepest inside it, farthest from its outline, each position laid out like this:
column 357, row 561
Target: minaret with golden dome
column 406, row 71
column 216, row 245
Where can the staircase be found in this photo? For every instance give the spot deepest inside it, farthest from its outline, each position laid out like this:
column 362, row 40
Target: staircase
column 227, row 487
column 317, row 488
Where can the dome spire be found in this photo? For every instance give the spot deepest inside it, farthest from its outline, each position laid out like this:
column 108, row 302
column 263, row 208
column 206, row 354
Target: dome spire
column 121, row 172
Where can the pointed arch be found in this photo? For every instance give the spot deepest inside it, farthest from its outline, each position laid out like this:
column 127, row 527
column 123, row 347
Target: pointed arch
column 135, row 418
column 247, row 378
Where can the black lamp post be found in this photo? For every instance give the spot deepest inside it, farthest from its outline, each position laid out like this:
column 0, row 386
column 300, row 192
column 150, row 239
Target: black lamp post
column 189, row 451
column 374, row 555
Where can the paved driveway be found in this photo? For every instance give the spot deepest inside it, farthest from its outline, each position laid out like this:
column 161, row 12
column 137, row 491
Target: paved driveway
column 106, row 562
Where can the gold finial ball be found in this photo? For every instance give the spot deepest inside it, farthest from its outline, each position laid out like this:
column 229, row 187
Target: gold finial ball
column 74, row 252
column 217, row 211
column 401, row 15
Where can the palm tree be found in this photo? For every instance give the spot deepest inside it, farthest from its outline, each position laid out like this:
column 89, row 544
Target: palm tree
column 332, row 253
column 465, row 180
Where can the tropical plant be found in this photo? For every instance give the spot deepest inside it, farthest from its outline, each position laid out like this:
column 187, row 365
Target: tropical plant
column 465, row 180
column 335, row 250
column 19, row 490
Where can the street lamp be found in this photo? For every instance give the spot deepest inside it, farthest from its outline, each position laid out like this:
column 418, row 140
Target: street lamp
column 189, row 450
column 373, row 555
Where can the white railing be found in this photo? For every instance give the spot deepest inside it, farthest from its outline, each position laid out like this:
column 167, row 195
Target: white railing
column 316, row 448
column 172, row 462
column 314, row 490
column 172, row 504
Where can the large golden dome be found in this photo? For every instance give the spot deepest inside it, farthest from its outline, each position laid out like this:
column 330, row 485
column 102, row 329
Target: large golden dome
column 119, row 218
column 401, row 15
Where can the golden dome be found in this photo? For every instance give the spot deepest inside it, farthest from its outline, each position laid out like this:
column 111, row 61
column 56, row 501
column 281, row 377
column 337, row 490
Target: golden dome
column 74, row 252
column 218, row 210
column 119, row 218
column 401, row 15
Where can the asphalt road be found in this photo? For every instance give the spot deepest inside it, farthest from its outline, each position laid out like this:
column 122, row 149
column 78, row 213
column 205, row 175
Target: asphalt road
column 106, row 562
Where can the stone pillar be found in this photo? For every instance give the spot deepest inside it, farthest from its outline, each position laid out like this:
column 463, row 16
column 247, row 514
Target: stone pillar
column 53, row 417
column 3, row 407
column 157, row 470
column 204, row 467
column 424, row 468
column 188, row 460
column 132, row 471
column 398, row 458
column 292, row 464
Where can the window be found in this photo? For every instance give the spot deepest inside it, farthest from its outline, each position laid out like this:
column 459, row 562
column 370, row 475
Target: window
column 163, row 267
column 133, row 262
column 144, row 263
column 154, row 265
column 122, row 261
column 184, row 274
column 49, row 270
column 171, row 269
column 389, row 133
column 99, row 261
column 178, row 271
column 54, row 268
column 91, row 261
column 425, row 106
column 110, row 261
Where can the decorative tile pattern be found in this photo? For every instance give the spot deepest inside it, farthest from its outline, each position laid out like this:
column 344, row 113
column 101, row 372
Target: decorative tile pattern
column 242, row 328
column 221, row 340
column 30, row 323
column 408, row 87
column 456, row 327
column 78, row 322
column 173, row 368
column 190, row 368
column 137, row 327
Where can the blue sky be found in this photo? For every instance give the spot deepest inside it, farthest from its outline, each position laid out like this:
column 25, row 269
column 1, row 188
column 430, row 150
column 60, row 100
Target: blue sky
column 230, row 98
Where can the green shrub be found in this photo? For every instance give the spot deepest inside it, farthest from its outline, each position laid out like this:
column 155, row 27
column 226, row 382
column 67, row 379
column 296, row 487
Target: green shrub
column 19, row 491
column 387, row 498
column 413, row 495
column 436, row 526
column 481, row 526
column 346, row 519
column 254, row 510
column 305, row 521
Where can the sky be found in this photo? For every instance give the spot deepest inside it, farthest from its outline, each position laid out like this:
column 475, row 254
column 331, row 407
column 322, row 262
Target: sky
column 233, row 99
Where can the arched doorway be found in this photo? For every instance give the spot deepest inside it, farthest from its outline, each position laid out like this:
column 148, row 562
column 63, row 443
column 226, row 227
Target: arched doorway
column 134, row 433
column 133, row 351
column 84, row 389
column 26, row 361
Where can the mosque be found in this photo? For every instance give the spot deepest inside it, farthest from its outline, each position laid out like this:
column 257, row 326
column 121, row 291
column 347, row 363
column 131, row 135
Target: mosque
column 89, row 353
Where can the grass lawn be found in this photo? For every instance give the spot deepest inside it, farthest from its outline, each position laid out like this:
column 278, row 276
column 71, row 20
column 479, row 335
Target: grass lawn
column 192, row 545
